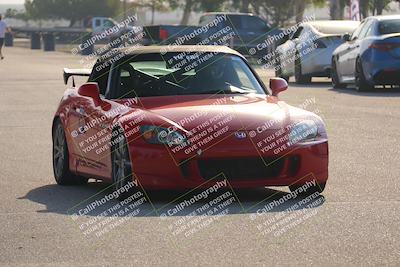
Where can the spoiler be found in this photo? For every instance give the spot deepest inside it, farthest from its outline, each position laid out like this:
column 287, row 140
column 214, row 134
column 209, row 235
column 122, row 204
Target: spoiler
column 75, row 72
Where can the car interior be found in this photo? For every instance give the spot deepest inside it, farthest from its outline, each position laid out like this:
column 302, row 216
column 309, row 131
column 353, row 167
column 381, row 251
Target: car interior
column 154, row 76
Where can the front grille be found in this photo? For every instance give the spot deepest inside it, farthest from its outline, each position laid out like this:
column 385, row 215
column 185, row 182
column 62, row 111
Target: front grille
column 294, row 165
column 185, row 168
column 242, row 168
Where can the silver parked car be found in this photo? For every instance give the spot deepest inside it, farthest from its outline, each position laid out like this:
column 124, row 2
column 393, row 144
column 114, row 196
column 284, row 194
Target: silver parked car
column 308, row 52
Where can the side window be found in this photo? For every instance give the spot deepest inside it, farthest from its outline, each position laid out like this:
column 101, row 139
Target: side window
column 254, row 23
column 204, row 20
column 97, row 23
column 388, row 26
column 100, row 75
column 371, row 30
column 297, row 33
column 357, row 31
column 365, row 29
column 108, row 23
column 234, row 21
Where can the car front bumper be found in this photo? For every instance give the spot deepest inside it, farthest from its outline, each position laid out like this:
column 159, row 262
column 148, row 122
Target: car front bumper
column 157, row 168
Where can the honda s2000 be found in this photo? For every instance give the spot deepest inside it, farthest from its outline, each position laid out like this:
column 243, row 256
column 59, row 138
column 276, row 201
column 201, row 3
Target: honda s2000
column 184, row 117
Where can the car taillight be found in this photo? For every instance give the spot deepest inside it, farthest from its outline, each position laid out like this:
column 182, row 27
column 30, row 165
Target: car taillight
column 163, row 34
column 385, row 46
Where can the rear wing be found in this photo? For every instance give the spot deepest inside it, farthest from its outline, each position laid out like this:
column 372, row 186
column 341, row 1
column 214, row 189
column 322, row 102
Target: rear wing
column 75, row 72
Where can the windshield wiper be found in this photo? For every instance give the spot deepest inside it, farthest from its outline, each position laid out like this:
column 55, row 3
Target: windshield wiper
column 215, row 92
column 240, row 90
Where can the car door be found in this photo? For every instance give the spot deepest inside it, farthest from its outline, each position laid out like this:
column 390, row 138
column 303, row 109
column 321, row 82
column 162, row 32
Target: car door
column 118, row 99
column 341, row 59
column 97, row 26
column 344, row 54
column 354, row 49
column 305, row 49
column 361, row 39
column 91, row 132
column 287, row 52
column 76, row 129
column 94, row 123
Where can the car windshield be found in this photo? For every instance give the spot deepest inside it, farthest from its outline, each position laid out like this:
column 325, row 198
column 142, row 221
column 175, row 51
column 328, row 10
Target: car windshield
column 185, row 74
column 389, row 26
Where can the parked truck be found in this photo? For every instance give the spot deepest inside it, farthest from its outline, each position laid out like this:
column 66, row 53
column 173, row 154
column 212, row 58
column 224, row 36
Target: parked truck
column 95, row 25
column 248, row 33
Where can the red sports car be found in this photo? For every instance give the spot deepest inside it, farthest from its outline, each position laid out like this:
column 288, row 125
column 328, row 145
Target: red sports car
column 184, row 117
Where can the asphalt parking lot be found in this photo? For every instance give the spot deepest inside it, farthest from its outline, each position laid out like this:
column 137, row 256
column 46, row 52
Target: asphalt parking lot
column 356, row 222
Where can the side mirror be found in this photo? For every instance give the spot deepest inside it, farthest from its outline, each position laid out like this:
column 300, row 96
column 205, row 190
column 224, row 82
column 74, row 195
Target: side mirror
column 91, row 90
column 346, row 37
column 277, row 85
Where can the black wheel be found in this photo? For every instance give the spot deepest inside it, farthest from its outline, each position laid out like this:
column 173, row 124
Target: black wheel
column 362, row 85
column 298, row 74
column 278, row 69
column 319, row 187
column 61, row 170
column 121, row 168
column 335, row 77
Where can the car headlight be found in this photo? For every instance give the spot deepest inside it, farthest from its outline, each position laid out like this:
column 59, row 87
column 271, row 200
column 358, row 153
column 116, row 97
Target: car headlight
column 160, row 135
column 304, row 131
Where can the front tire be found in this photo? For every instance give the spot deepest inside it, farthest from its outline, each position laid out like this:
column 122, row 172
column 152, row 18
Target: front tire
column 298, row 73
column 62, row 173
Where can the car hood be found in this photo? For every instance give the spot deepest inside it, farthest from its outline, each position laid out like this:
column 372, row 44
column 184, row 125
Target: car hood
column 237, row 111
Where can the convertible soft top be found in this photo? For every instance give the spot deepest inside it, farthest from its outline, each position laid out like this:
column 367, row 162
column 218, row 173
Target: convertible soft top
column 133, row 50
column 137, row 50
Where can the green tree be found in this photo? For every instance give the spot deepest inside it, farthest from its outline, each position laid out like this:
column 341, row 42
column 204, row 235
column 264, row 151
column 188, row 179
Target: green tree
column 194, row 5
column 377, row 6
column 72, row 10
column 291, row 8
column 300, row 7
column 275, row 11
column 14, row 13
column 373, row 7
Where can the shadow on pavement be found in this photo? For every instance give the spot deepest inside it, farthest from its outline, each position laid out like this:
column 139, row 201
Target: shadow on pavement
column 94, row 199
column 377, row 92
column 317, row 85
column 322, row 85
